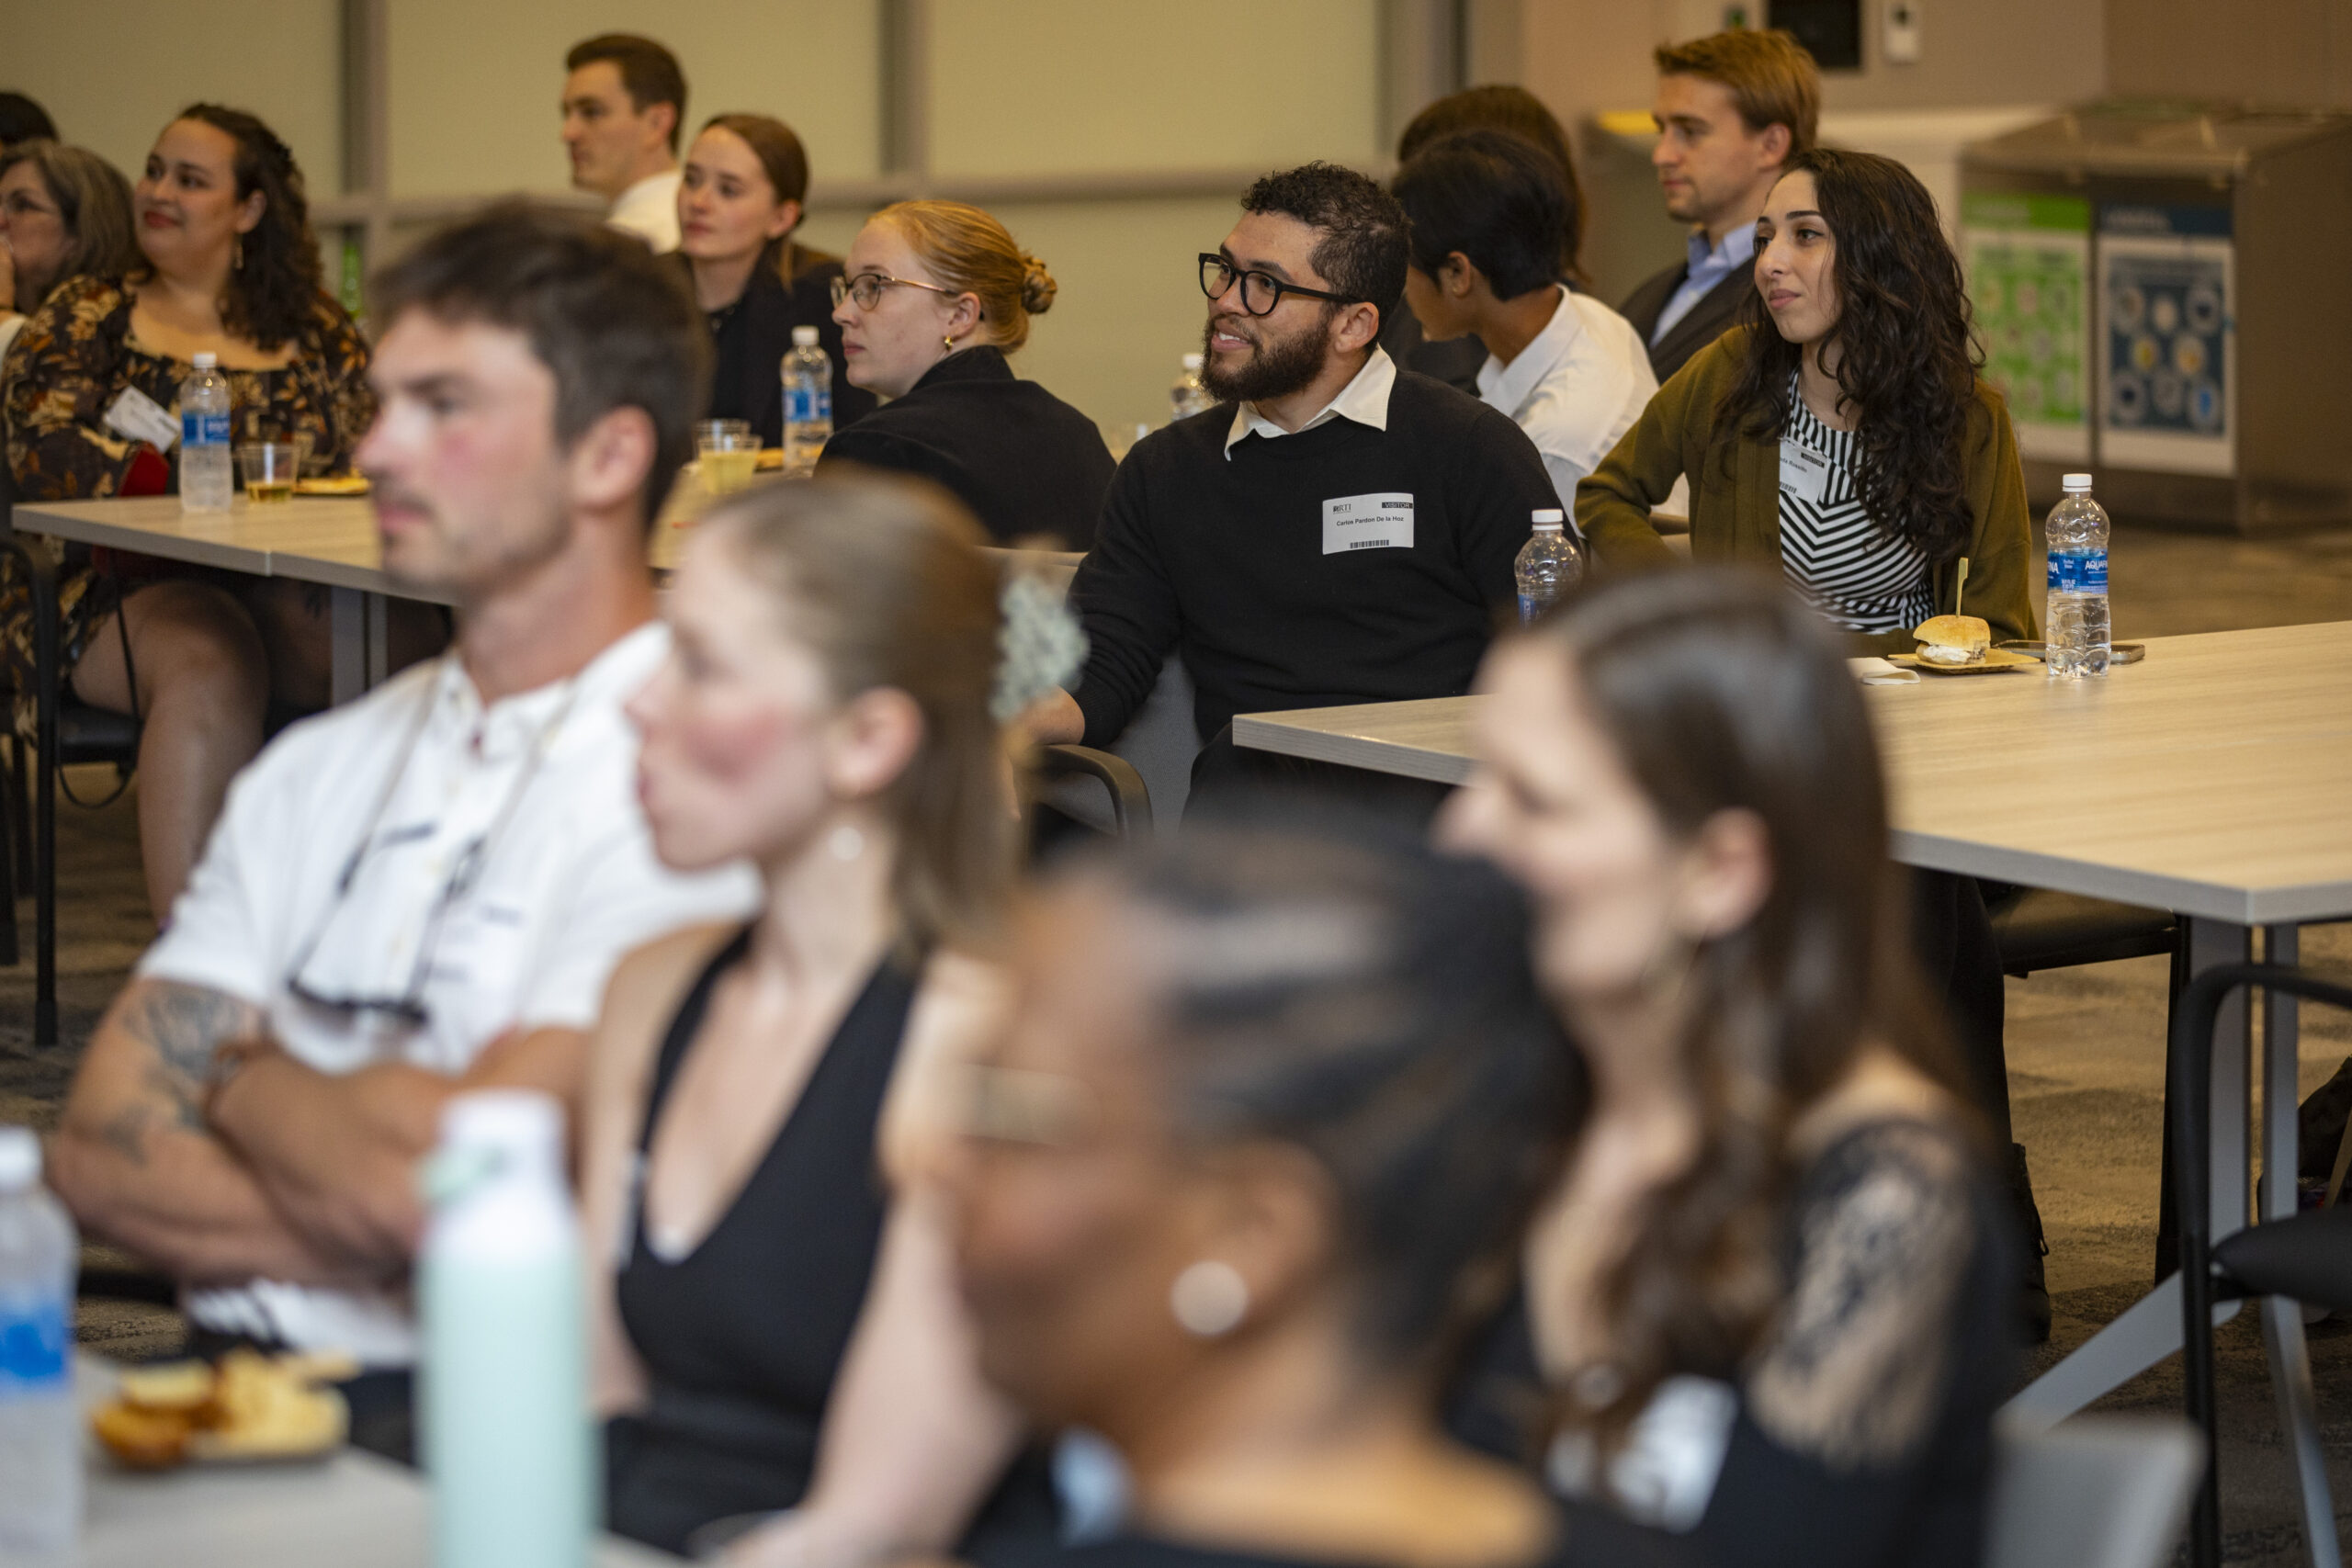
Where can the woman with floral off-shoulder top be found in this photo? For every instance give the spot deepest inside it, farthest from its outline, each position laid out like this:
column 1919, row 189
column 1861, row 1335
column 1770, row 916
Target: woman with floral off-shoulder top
column 228, row 266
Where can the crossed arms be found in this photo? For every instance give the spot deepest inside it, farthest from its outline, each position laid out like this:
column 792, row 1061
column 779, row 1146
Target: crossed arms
column 192, row 1139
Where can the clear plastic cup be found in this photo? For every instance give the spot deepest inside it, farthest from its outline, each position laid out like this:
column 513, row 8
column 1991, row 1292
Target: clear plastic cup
column 729, row 453
column 270, row 470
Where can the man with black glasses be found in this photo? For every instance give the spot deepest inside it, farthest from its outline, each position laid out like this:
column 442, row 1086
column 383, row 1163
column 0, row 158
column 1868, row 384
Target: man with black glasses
column 425, row 890
column 1334, row 531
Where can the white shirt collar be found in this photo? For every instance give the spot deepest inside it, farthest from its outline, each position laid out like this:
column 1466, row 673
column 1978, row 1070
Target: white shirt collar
column 515, row 722
column 649, row 209
column 1364, row 400
column 1507, row 387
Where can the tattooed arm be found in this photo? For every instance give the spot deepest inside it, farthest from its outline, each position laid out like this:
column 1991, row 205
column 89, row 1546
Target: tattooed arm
column 134, row 1161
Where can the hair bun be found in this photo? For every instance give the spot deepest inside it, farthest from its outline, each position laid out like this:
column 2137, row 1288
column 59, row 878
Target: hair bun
column 1037, row 286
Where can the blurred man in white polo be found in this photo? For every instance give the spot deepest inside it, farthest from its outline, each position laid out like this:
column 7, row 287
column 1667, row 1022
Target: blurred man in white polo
column 623, row 104
column 422, row 891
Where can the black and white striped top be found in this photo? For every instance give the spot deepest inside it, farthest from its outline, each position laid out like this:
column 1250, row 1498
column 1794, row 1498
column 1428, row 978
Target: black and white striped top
column 1831, row 552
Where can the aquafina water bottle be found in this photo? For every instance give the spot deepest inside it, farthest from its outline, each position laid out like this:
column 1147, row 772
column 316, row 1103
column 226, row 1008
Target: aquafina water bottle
column 1549, row 566
column 2077, row 632
column 207, row 479
column 807, row 401
column 40, row 1424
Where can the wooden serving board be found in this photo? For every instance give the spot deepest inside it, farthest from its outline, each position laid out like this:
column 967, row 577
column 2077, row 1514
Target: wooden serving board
column 1996, row 660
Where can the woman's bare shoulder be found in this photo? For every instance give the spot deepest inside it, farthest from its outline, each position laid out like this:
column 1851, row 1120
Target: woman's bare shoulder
column 649, row 983
column 961, row 1008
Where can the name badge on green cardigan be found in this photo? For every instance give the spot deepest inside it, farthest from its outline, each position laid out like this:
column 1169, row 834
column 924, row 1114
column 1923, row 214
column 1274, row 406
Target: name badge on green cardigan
column 1804, row 473
column 1381, row 521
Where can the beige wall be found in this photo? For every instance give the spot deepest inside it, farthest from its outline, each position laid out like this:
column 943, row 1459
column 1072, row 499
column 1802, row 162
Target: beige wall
column 1057, row 86
column 2284, row 54
column 473, row 86
column 112, row 75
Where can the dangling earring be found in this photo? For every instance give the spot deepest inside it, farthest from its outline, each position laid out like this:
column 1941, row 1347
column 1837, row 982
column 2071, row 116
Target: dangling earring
column 237, row 252
column 1209, row 1299
column 846, row 843
column 948, row 342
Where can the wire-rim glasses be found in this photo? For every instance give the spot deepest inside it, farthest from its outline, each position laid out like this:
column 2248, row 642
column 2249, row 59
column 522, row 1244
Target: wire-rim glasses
column 1261, row 291
column 866, row 288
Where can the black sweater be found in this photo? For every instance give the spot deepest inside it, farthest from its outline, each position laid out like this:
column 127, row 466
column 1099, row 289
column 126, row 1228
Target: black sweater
column 1225, row 562
column 1025, row 461
column 751, row 337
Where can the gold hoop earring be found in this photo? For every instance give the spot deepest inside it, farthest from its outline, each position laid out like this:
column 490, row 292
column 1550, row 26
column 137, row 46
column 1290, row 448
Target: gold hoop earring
column 237, row 253
column 948, row 342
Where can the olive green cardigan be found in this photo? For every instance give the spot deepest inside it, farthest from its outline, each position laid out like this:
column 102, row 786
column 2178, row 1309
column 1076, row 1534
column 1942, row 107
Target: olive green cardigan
column 1735, row 506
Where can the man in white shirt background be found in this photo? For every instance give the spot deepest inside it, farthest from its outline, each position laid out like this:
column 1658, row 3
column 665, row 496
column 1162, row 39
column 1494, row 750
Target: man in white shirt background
column 623, row 105
column 1732, row 108
column 1490, row 219
column 425, row 890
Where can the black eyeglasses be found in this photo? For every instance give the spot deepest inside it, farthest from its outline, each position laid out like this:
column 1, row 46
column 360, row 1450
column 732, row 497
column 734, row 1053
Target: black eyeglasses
column 1261, row 291
column 866, row 288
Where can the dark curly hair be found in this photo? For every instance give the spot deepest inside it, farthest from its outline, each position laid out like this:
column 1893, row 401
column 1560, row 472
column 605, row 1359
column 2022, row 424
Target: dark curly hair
column 278, row 294
column 1907, row 355
column 1361, row 250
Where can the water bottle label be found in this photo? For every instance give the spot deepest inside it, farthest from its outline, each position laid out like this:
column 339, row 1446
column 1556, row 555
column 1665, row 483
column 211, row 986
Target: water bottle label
column 33, row 1350
column 808, row 404
column 1531, row 606
column 2079, row 571
column 204, row 429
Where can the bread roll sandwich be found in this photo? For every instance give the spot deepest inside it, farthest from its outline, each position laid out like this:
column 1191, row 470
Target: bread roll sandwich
column 1953, row 639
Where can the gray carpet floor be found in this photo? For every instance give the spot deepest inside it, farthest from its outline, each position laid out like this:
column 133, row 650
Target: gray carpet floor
column 2086, row 1058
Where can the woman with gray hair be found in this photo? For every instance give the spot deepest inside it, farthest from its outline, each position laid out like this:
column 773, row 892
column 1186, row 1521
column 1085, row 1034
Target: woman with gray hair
column 64, row 212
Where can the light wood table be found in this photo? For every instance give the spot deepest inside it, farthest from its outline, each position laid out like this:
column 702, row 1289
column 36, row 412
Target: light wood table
column 331, row 542
column 2214, row 780
column 352, row 1510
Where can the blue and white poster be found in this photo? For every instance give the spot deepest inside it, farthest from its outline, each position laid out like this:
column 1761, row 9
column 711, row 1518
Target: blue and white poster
column 2168, row 358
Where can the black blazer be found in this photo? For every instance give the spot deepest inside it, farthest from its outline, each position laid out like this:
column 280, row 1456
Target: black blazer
column 748, row 349
column 1714, row 313
column 1025, row 461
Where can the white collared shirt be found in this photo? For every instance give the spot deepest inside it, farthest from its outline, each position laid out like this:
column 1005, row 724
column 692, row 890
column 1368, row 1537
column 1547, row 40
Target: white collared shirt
column 1363, row 400
column 650, row 210
column 1578, row 386
column 421, row 771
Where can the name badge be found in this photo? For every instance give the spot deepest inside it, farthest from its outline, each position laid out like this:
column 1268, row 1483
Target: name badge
column 1382, row 521
column 139, row 417
column 1803, row 473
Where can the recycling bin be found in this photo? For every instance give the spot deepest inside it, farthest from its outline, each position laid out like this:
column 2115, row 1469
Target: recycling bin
column 2162, row 292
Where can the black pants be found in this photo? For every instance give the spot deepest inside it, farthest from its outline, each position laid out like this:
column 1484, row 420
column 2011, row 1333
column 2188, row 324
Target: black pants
column 1953, row 936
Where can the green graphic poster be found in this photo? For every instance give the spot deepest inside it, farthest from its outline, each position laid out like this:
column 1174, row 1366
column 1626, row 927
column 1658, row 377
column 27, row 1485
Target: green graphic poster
column 2029, row 261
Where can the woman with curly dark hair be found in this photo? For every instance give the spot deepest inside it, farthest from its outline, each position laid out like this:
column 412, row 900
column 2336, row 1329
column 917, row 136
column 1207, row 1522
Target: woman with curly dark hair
column 1842, row 429
column 1770, row 1297
column 228, row 266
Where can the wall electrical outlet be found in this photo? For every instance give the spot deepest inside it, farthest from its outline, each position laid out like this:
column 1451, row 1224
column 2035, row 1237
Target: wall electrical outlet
column 1901, row 40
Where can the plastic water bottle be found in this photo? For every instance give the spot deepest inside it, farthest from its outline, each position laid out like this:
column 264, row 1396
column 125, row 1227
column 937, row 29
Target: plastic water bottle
column 1549, row 565
column 41, row 1422
column 807, row 401
column 1188, row 396
column 2079, row 638
column 207, row 479
column 507, row 1438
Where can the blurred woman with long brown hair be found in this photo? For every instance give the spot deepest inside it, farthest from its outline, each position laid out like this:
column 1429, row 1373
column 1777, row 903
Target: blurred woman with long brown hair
column 1771, row 1295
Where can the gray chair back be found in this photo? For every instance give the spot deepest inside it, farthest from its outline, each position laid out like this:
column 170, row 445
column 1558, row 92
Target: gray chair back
column 1159, row 741
column 2093, row 1492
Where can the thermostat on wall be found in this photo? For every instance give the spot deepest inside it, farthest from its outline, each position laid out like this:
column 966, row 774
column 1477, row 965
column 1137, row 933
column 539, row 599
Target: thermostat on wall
column 1901, row 42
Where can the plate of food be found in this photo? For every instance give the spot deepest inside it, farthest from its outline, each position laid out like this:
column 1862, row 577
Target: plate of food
column 332, row 484
column 247, row 1408
column 1958, row 645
